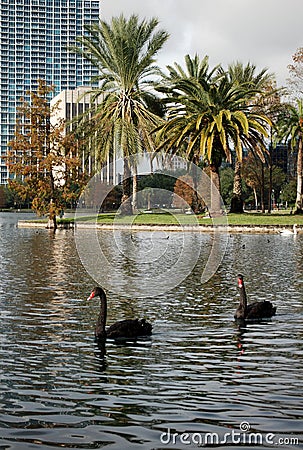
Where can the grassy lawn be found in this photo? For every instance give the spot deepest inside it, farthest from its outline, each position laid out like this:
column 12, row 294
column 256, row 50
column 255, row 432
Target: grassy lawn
column 275, row 218
column 264, row 219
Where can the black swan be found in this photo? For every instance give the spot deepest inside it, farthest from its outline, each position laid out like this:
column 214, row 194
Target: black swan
column 254, row 311
column 129, row 328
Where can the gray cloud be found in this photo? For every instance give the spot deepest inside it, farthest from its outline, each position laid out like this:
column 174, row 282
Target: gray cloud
column 264, row 32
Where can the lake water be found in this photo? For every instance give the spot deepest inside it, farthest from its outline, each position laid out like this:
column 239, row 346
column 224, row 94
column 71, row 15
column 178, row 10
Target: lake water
column 200, row 380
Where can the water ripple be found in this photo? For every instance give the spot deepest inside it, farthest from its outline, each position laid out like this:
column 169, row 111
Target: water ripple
column 199, row 372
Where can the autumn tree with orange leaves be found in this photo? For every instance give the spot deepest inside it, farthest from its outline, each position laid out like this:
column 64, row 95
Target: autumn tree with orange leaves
column 42, row 160
column 185, row 195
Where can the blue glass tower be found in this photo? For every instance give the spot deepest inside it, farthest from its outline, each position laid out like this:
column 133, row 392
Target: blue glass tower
column 35, row 36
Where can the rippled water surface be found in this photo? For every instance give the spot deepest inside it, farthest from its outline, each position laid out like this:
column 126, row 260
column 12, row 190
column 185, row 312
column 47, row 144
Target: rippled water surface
column 199, row 380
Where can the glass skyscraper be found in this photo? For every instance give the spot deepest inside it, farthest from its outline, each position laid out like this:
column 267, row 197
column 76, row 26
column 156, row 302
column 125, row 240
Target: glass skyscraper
column 35, row 36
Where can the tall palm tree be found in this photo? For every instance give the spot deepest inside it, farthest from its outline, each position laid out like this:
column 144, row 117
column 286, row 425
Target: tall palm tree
column 256, row 87
column 172, row 85
column 124, row 52
column 290, row 126
column 208, row 113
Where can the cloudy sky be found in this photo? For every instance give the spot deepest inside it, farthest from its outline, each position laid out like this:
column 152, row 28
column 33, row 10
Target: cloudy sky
column 264, row 32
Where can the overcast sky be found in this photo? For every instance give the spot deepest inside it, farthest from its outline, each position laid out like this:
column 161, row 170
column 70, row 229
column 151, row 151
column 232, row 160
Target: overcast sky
column 263, row 32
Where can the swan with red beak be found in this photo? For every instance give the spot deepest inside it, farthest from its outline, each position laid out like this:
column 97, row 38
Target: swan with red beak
column 254, row 311
column 129, row 328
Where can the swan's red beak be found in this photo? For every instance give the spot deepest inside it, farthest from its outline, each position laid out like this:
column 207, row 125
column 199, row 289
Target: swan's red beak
column 92, row 295
column 240, row 283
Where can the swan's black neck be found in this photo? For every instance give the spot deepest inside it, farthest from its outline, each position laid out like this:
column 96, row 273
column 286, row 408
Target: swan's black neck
column 243, row 298
column 100, row 332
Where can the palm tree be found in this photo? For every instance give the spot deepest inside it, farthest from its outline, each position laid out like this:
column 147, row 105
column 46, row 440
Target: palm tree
column 291, row 126
column 208, row 112
column 256, row 87
column 124, row 53
column 173, row 86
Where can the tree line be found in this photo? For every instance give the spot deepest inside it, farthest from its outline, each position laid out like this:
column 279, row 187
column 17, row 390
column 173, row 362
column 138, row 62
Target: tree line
column 207, row 115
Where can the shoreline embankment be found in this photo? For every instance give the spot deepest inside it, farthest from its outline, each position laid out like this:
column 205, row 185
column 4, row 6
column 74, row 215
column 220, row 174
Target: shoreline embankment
column 269, row 229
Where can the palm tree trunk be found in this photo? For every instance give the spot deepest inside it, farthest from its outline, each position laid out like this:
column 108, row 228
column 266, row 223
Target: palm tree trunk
column 126, row 186
column 299, row 199
column 135, row 189
column 215, row 198
column 237, row 201
column 195, row 200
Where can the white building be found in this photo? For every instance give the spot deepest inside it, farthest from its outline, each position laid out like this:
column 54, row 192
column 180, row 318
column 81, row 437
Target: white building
column 71, row 104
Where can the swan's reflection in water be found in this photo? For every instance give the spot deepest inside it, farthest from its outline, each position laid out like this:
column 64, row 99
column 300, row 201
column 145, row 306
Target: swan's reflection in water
column 246, row 330
column 142, row 342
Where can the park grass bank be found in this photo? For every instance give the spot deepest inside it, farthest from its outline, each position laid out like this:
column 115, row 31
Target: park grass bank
column 247, row 222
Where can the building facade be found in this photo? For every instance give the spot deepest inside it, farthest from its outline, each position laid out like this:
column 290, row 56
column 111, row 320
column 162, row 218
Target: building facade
column 34, row 44
column 68, row 105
